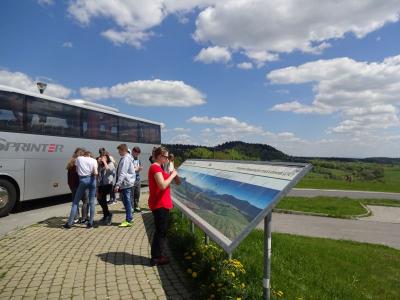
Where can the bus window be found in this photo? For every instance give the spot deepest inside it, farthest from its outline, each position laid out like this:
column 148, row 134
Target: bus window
column 97, row 125
column 11, row 111
column 51, row 118
column 151, row 133
column 128, row 130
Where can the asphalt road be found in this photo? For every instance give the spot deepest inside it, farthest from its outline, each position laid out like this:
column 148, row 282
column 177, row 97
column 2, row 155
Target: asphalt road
column 343, row 193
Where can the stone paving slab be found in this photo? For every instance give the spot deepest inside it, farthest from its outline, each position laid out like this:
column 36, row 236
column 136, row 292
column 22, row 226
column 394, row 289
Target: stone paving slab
column 44, row 261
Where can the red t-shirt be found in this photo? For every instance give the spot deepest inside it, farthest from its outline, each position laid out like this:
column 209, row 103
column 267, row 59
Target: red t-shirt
column 158, row 198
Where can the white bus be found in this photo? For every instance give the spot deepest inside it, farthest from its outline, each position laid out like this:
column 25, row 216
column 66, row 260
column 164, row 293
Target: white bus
column 38, row 135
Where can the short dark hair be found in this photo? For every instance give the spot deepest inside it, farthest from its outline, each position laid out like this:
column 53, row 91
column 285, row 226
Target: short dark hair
column 136, row 149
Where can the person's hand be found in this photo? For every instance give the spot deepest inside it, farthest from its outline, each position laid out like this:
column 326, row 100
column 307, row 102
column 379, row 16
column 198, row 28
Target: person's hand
column 173, row 174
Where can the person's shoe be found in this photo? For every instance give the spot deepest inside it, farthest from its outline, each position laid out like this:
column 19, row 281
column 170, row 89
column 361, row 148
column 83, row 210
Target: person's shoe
column 89, row 226
column 103, row 220
column 66, row 226
column 109, row 219
column 137, row 209
column 76, row 221
column 162, row 260
column 83, row 221
column 125, row 224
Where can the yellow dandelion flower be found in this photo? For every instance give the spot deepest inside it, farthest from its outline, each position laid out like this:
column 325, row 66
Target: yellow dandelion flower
column 238, row 298
column 194, row 274
column 280, row 293
column 189, row 271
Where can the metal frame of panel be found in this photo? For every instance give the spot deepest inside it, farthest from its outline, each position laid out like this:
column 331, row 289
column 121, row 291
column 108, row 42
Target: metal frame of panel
column 227, row 244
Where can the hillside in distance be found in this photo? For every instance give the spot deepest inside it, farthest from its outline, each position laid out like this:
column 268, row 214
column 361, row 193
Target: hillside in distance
column 227, row 151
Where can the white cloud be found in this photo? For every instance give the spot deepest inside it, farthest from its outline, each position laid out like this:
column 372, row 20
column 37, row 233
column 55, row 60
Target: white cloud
column 67, row 45
column 45, row 2
column 177, row 130
column 213, row 55
column 278, row 26
column 261, row 57
column 299, row 108
column 366, row 94
column 245, row 65
column 149, row 93
column 227, row 125
column 133, row 19
column 260, row 29
column 181, row 139
column 24, row 82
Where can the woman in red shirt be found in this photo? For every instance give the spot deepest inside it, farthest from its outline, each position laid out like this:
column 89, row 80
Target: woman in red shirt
column 160, row 203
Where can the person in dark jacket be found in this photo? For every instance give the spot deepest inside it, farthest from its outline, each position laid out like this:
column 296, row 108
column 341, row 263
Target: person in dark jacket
column 105, row 182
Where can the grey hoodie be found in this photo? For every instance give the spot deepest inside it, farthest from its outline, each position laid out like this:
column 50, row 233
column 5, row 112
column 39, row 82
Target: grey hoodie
column 125, row 172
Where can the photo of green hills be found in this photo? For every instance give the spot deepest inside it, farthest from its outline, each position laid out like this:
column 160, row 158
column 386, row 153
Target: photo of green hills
column 227, row 205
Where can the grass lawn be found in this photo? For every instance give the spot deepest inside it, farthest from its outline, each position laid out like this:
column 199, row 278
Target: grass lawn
column 389, row 183
column 315, row 268
column 302, row 267
column 332, row 206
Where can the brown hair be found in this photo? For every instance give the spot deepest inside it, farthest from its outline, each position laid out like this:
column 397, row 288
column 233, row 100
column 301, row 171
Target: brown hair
column 123, row 147
column 159, row 151
column 171, row 156
column 88, row 153
column 71, row 162
column 136, row 149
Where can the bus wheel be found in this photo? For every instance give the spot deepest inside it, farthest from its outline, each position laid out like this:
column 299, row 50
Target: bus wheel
column 8, row 197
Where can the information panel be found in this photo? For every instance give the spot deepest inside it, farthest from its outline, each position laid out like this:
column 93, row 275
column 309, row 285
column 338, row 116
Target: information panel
column 228, row 199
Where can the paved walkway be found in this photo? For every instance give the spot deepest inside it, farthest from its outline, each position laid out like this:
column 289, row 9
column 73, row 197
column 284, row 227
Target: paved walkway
column 385, row 214
column 44, row 261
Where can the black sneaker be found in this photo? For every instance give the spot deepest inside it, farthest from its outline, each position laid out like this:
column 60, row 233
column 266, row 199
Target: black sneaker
column 89, row 226
column 103, row 220
column 137, row 209
column 108, row 220
column 66, row 226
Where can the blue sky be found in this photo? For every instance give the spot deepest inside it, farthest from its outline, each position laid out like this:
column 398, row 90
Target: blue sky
column 309, row 78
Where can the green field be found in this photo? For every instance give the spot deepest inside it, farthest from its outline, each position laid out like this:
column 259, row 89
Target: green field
column 365, row 176
column 332, row 206
column 315, row 268
column 302, row 267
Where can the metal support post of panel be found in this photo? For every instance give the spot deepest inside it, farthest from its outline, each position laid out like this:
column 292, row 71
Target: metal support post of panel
column 206, row 239
column 267, row 257
column 192, row 227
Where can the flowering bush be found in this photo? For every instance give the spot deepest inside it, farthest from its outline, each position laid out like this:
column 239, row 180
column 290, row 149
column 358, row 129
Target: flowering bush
column 208, row 265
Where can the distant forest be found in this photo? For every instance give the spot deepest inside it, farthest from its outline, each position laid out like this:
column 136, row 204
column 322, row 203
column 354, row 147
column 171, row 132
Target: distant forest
column 247, row 151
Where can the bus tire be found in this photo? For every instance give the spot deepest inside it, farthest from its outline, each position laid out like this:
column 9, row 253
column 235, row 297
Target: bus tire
column 8, row 197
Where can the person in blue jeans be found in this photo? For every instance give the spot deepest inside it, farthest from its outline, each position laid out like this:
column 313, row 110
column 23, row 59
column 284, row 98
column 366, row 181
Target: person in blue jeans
column 126, row 177
column 86, row 167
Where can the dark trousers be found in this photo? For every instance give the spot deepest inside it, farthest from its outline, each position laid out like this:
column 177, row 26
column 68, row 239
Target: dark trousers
column 103, row 191
column 161, row 216
column 136, row 194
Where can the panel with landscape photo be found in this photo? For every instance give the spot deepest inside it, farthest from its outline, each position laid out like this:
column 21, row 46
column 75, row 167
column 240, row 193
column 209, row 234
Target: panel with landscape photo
column 227, row 205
